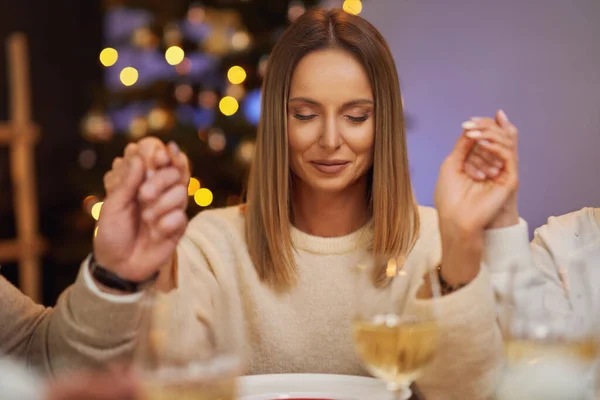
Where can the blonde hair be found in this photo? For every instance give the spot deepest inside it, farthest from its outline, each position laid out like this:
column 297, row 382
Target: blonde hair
column 393, row 207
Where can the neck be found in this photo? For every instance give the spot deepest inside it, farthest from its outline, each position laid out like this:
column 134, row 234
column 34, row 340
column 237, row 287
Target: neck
column 327, row 214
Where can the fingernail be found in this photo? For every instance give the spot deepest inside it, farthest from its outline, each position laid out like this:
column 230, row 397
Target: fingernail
column 474, row 134
column 498, row 163
column 480, row 174
column 476, row 118
column 503, row 115
column 469, row 125
column 149, row 173
column 493, row 171
column 484, row 142
column 174, row 148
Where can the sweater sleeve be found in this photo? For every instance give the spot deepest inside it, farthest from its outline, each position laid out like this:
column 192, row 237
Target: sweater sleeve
column 201, row 316
column 83, row 330
column 469, row 356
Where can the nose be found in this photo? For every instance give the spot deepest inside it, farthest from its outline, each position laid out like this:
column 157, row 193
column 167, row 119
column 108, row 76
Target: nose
column 330, row 138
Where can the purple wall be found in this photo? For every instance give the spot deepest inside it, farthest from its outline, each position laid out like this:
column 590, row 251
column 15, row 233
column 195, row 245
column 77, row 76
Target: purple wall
column 538, row 60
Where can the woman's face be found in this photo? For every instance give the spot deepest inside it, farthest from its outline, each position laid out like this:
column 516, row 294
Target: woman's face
column 330, row 121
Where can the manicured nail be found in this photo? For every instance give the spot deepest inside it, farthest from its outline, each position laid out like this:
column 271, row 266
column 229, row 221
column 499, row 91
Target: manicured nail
column 503, row 115
column 480, row 174
column 484, row 142
column 469, row 125
column 474, row 134
column 498, row 164
column 493, row 171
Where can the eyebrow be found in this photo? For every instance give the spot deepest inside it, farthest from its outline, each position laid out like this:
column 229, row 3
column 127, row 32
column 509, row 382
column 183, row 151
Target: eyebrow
column 356, row 102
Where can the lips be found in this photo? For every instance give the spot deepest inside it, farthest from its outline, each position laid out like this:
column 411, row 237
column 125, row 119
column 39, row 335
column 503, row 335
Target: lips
column 330, row 167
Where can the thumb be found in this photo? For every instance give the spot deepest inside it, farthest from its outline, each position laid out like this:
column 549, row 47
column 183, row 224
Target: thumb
column 128, row 188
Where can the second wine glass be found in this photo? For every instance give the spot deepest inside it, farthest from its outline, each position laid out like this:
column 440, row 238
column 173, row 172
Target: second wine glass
column 395, row 333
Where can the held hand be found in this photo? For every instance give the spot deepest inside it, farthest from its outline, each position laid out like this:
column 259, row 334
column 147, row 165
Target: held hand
column 482, row 164
column 130, row 246
column 466, row 206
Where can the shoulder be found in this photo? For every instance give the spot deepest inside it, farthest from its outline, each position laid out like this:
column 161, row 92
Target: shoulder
column 428, row 221
column 581, row 223
column 218, row 224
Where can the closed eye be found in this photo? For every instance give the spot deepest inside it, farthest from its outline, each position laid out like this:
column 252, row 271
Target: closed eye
column 304, row 117
column 357, row 120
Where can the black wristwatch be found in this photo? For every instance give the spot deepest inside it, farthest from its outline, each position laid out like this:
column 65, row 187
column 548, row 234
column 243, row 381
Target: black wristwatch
column 113, row 281
column 445, row 287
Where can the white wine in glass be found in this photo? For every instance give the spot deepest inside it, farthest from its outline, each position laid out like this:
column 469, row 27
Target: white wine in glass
column 168, row 361
column 394, row 341
column 550, row 353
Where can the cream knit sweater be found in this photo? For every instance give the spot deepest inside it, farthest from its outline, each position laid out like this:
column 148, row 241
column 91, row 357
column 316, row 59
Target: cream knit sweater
column 308, row 328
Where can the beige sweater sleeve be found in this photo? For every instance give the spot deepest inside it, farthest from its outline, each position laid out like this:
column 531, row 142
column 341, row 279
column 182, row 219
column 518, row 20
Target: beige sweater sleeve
column 468, row 362
column 83, row 330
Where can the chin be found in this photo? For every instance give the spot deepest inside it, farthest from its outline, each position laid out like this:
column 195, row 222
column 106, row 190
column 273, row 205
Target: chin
column 334, row 185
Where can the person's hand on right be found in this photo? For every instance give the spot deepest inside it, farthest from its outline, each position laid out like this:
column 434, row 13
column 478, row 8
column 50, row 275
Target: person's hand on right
column 143, row 215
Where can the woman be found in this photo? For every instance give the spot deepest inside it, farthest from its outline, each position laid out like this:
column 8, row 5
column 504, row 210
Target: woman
column 329, row 183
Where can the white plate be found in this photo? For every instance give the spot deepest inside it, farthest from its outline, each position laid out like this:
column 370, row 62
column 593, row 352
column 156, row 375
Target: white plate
column 311, row 386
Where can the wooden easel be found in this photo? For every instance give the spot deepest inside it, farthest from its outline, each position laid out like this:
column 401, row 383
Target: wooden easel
column 20, row 134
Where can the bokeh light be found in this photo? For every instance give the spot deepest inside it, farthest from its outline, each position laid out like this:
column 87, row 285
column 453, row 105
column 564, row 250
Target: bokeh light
column 352, row 6
column 96, row 208
column 236, row 75
column 128, row 76
column 203, row 197
column 228, row 105
column 193, row 186
column 108, row 56
column 174, row 55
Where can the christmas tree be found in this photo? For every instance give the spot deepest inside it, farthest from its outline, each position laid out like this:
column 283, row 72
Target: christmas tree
column 192, row 76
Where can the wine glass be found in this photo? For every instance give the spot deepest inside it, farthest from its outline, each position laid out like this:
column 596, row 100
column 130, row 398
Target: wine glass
column 550, row 333
column 184, row 355
column 395, row 323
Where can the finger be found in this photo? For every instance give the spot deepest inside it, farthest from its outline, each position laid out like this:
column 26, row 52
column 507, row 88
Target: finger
column 118, row 161
column 174, row 198
column 507, row 156
column 489, row 158
column 474, row 172
column 127, row 188
column 161, row 158
column 180, row 160
column 111, row 180
column 481, row 166
column 147, row 147
column 479, row 123
column 461, row 150
column 169, row 225
column 508, row 127
column 492, row 134
column 157, row 183
column 130, row 150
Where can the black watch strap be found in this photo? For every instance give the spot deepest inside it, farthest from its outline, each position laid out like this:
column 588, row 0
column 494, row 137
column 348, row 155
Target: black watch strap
column 113, row 281
column 445, row 287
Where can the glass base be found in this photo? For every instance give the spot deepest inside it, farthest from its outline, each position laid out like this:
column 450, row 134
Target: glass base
column 401, row 392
